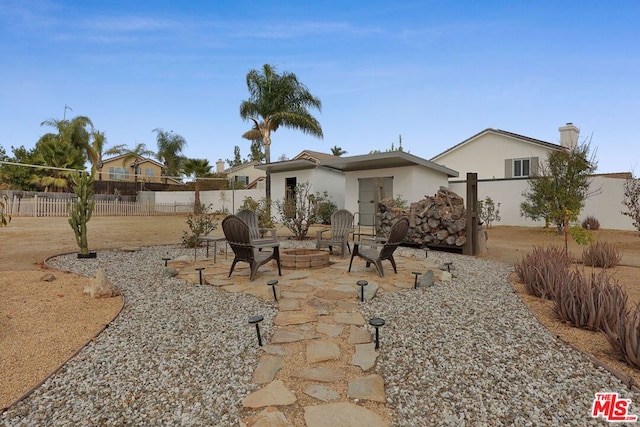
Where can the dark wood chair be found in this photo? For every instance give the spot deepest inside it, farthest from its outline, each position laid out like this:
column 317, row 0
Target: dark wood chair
column 258, row 235
column 338, row 234
column 374, row 256
column 236, row 231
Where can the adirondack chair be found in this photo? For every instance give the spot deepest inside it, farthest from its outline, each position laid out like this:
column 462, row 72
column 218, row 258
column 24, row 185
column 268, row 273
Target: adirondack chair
column 258, row 235
column 338, row 234
column 374, row 256
column 236, row 231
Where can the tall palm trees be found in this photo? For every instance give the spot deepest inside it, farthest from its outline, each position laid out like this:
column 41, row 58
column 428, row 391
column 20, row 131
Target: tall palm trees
column 277, row 100
column 131, row 157
column 197, row 167
column 170, row 146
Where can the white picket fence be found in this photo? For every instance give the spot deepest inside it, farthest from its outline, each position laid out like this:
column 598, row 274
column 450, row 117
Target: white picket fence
column 43, row 206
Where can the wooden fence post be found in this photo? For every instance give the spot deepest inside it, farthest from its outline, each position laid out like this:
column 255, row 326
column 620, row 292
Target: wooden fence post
column 471, row 245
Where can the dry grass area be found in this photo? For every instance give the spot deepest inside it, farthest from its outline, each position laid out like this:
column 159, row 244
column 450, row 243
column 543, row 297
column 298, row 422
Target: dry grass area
column 44, row 323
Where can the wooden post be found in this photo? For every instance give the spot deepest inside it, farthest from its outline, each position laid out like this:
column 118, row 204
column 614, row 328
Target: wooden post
column 471, row 245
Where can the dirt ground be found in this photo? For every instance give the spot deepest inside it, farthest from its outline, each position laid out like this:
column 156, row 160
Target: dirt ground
column 44, row 323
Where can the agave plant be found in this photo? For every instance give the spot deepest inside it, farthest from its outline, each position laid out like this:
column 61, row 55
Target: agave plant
column 590, row 303
column 601, row 254
column 543, row 270
column 624, row 335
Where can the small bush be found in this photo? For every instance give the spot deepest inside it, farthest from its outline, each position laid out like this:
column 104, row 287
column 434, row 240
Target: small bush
column 325, row 207
column 589, row 303
column 591, row 223
column 624, row 335
column 261, row 207
column 199, row 225
column 542, row 270
column 580, row 235
column 601, row 254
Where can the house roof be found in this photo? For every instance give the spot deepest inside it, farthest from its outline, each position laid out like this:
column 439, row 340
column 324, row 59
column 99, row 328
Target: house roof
column 143, row 159
column 240, row 167
column 503, row 133
column 287, row 165
column 389, row 159
column 313, row 155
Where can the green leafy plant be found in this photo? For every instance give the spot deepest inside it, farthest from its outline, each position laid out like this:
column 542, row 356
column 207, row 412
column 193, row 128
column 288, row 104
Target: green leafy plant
column 325, row 207
column 580, row 235
column 589, row 302
column 200, row 225
column 489, row 211
column 81, row 209
column 543, row 270
column 299, row 212
column 262, row 208
column 601, row 254
column 5, row 218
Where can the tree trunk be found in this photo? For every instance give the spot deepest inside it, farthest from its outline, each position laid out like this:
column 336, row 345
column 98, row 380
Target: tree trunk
column 197, row 206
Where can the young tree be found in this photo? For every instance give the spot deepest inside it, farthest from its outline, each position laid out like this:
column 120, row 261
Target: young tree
column 197, row 168
column 77, row 133
column 277, row 100
column 631, row 200
column 558, row 192
column 488, row 211
column 60, row 158
column 256, row 154
column 237, row 158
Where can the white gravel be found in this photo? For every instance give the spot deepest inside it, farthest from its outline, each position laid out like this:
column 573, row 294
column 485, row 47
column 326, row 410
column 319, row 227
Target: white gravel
column 462, row 353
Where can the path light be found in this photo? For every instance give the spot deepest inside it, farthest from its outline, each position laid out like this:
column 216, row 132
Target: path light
column 199, row 270
column 448, row 264
column 256, row 320
column 165, row 259
column 415, row 279
column 377, row 322
column 362, row 284
column 273, row 284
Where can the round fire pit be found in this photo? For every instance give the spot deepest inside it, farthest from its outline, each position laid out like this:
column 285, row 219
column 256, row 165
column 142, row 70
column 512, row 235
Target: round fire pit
column 303, row 258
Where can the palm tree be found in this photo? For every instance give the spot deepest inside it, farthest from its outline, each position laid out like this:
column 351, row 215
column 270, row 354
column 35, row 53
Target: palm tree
column 337, row 151
column 277, row 100
column 197, row 167
column 97, row 143
column 131, row 157
column 61, row 156
column 76, row 132
column 170, row 145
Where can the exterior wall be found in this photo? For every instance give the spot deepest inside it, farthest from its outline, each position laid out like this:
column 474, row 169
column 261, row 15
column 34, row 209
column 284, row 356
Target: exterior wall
column 248, row 171
column 117, row 163
column 606, row 206
column 220, row 200
column 412, row 183
column 486, row 155
column 321, row 180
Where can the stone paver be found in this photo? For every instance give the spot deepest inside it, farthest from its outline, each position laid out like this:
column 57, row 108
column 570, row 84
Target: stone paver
column 365, row 356
column 269, row 417
column 273, row 394
column 329, row 329
column 268, row 367
column 294, row 318
column 370, row 387
column 321, row 392
column 358, row 335
column 321, row 374
column 343, row 414
column 349, row 318
column 322, row 350
column 282, row 336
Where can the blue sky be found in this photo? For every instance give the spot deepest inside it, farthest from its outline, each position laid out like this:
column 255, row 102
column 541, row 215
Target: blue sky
column 435, row 72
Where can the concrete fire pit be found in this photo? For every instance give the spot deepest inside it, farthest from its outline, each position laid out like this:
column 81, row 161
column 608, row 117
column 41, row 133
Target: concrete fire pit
column 303, row 258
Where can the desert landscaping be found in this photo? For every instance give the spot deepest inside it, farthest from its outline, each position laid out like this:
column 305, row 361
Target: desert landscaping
column 45, row 322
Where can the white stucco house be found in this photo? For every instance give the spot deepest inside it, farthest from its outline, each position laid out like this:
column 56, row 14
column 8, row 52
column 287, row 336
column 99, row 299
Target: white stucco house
column 357, row 183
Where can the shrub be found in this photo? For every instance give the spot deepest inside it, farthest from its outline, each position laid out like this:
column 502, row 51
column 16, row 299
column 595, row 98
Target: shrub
column 325, row 207
column 5, row 218
column 601, row 254
column 591, row 223
column 580, row 235
column 199, row 225
column 589, row 303
column 488, row 211
column 261, row 207
column 299, row 212
column 542, row 270
column 624, row 335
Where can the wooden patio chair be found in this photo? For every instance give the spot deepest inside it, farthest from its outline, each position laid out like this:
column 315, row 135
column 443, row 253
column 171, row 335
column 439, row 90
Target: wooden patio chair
column 258, row 236
column 236, row 231
column 341, row 228
column 374, row 256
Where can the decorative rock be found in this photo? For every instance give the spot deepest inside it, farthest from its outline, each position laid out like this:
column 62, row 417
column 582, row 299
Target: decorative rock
column 169, row 272
column 323, row 375
column 267, row 369
column 370, row 291
column 274, row 393
column 184, row 258
column 370, row 387
column 294, row 318
column 426, row 280
column 320, row 351
column 269, row 417
column 343, row 414
column 446, row 276
column 321, row 392
column 130, row 249
column 365, row 356
column 329, row 329
column 48, row 277
column 100, row 286
column 349, row 318
column 358, row 335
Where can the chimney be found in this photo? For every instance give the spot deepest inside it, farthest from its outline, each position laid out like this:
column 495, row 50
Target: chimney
column 569, row 136
column 220, row 166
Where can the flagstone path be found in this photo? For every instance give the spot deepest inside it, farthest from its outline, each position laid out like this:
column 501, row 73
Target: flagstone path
column 317, row 368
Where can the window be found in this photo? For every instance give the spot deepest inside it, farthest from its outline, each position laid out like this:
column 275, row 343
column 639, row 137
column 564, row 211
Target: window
column 149, row 172
column 521, row 167
column 117, row 173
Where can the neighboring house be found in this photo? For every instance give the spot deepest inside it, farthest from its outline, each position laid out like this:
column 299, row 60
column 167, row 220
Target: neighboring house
column 498, row 154
column 357, row 183
column 244, row 175
column 116, row 169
